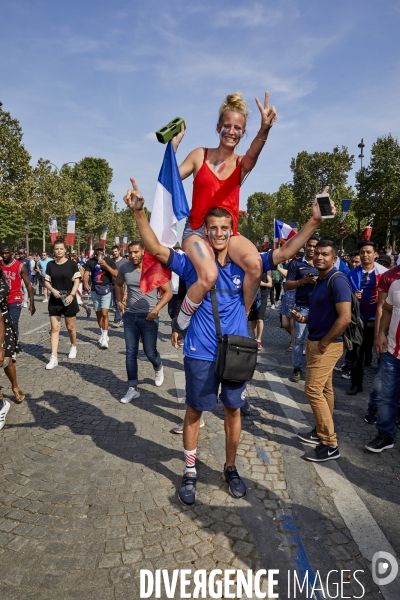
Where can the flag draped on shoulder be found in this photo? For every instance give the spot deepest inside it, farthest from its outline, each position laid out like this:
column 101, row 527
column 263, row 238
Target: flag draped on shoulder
column 70, row 238
column 282, row 231
column 169, row 207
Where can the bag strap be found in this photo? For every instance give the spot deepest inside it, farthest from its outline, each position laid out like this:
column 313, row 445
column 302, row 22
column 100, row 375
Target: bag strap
column 216, row 313
column 330, row 283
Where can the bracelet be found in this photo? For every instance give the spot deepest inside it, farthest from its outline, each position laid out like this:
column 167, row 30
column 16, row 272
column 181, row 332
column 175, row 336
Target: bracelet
column 262, row 140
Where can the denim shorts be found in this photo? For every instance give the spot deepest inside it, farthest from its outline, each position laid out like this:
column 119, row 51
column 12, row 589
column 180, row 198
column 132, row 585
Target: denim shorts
column 202, row 386
column 188, row 231
column 100, row 302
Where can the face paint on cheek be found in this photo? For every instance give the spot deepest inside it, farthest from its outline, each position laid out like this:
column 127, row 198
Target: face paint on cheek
column 224, row 131
column 226, row 234
column 239, row 133
column 211, row 235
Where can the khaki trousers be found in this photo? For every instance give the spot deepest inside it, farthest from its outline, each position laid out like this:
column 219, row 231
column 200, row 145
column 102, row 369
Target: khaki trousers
column 319, row 390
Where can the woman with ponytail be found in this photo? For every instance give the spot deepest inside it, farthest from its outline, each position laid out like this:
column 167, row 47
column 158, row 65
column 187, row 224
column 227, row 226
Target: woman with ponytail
column 218, row 174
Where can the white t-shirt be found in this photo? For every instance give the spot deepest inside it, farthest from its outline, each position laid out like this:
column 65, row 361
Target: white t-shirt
column 393, row 298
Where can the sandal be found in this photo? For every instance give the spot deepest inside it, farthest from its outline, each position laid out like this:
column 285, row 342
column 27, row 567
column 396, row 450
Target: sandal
column 18, row 395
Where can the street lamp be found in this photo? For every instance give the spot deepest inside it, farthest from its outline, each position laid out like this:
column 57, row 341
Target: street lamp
column 361, row 145
column 395, row 226
column 26, row 226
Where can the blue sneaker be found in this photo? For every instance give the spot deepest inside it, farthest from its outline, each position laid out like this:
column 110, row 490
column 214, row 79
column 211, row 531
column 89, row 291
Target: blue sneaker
column 187, row 492
column 237, row 486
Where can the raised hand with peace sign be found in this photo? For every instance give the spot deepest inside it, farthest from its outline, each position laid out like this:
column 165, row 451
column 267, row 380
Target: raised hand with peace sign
column 268, row 114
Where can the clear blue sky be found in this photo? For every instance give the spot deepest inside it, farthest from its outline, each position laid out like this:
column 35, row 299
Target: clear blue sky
column 98, row 78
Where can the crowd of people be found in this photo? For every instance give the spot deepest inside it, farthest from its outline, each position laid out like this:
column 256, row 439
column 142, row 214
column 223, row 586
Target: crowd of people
column 317, row 291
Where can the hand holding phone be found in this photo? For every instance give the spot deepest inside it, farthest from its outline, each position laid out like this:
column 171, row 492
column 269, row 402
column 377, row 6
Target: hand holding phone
column 324, row 203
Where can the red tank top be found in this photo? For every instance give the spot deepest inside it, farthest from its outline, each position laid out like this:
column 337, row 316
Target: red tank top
column 12, row 273
column 209, row 192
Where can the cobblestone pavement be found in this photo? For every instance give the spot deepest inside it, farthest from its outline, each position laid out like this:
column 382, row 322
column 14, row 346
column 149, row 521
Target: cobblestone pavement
column 88, row 485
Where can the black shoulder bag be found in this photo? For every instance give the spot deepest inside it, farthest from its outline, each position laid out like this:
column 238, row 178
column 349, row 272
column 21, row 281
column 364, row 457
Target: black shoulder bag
column 236, row 355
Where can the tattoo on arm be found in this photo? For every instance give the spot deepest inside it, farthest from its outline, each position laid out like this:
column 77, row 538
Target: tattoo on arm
column 198, row 249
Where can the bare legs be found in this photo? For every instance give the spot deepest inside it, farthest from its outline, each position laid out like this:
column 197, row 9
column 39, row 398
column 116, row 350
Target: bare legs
column 243, row 253
column 233, row 427
column 11, row 373
column 102, row 318
column 55, row 332
column 288, row 325
column 258, row 328
column 202, row 257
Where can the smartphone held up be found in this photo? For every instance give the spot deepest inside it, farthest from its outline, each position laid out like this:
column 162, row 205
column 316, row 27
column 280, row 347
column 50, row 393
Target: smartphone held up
column 324, row 203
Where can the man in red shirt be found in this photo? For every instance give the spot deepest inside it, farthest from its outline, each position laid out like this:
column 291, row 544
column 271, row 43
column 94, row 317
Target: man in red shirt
column 15, row 273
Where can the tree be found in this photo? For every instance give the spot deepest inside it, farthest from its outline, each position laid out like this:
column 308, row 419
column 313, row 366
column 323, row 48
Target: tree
column 261, row 210
column 15, row 178
column 378, row 185
column 311, row 173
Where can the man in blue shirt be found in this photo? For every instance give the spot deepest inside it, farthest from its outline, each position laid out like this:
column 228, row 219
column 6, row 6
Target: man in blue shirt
column 42, row 266
column 200, row 346
column 364, row 281
column 301, row 277
column 329, row 315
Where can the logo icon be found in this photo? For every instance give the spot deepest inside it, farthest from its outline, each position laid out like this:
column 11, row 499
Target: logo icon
column 384, row 568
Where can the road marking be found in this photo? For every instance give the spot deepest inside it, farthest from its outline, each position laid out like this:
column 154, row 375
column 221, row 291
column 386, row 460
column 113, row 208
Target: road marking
column 36, row 328
column 362, row 525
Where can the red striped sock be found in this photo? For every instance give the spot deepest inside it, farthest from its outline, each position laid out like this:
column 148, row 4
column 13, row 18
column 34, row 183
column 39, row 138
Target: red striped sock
column 190, row 460
column 188, row 308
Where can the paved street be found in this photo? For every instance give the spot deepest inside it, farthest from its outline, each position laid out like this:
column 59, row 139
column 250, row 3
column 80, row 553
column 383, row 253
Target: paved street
column 88, row 485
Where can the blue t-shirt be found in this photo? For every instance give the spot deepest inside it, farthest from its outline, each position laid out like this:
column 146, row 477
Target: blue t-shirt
column 42, row 264
column 201, row 338
column 323, row 313
column 297, row 269
column 367, row 282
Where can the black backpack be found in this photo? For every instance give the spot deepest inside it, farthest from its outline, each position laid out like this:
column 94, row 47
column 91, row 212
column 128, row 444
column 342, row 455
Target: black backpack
column 353, row 335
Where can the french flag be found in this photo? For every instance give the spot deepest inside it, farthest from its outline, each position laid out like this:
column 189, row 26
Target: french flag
column 282, row 231
column 53, row 229
column 169, row 207
column 70, row 238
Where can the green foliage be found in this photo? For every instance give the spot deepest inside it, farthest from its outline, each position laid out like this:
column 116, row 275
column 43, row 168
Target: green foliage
column 261, row 210
column 15, row 178
column 378, row 186
column 311, row 173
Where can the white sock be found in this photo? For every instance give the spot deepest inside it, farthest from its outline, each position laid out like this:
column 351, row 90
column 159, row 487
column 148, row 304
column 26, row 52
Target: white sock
column 190, row 461
column 188, row 308
column 101, row 331
column 105, row 332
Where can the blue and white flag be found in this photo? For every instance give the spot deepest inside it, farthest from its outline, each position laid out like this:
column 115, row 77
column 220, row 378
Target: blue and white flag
column 169, row 207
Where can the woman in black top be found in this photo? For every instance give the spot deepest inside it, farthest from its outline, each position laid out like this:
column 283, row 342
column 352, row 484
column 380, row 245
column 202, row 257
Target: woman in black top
column 62, row 280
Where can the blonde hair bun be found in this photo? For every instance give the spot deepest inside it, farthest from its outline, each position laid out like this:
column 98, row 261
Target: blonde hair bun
column 236, row 103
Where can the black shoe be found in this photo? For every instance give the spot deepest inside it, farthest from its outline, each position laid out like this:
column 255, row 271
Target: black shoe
column 355, row 389
column 322, row 453
column 381, row 442
column 187, row 492
column 310, row 437
column 245, row 410
column 176, row 328
column 296, row 375
column 370, row 417
column 237, row 486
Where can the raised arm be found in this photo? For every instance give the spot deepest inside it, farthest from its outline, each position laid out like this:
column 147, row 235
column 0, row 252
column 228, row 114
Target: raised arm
column 268, row 118
column 293, row 245
column 135, row 202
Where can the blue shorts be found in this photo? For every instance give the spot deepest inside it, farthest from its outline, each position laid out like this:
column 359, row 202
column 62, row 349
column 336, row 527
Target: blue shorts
column 100, row 302
column 188, row 231
column 202, row 386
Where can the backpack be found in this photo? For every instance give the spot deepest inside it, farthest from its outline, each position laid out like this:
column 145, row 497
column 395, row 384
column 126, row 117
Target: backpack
column 353, row 335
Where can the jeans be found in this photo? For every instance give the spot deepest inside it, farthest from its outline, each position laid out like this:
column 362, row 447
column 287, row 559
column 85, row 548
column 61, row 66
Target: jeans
column 300, row 335
column 388, row 402
column 135, row 325
column 376, row 391
column 15, row 312
column 118, row 316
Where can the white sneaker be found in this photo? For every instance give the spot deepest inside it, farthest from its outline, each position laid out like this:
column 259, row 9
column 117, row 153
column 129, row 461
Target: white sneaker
column 273, row 306
column 3, row 413
column 72, row 352
column 159, row 377
column 24, row 305
column 53, row 362
column 179, row 428
column 130, row 395
column 45, row 300
column 104, row 341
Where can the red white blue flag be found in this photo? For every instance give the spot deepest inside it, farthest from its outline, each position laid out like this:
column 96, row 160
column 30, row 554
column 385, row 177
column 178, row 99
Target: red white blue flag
column 70, row 239
column 282, row 231
column 169, row 207
column 53, row 229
